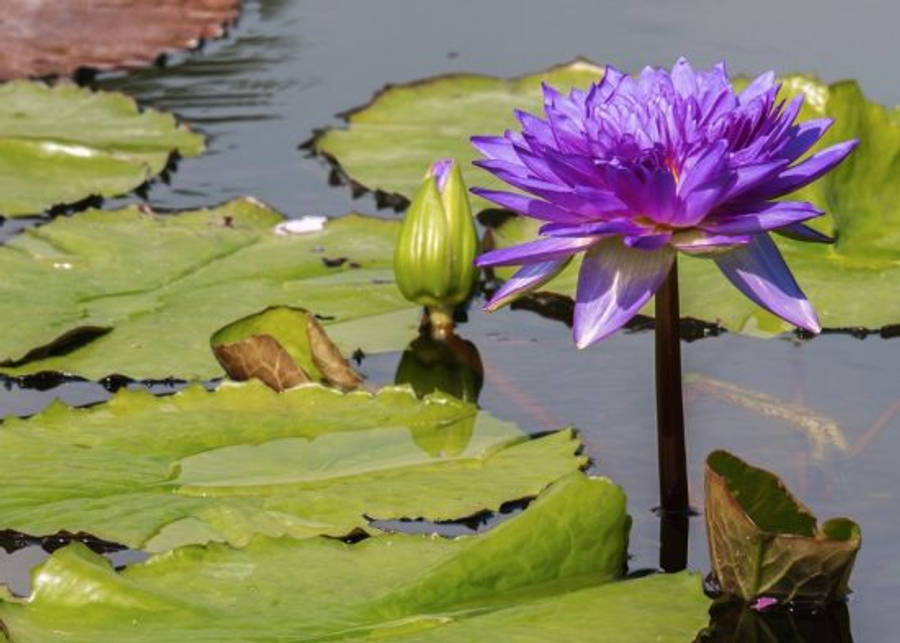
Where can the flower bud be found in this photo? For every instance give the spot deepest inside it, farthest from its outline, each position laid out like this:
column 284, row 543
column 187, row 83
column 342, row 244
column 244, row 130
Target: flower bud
column 433, row 260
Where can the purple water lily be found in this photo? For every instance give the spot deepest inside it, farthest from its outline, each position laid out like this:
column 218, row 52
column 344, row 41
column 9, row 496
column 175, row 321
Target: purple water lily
column 635, row 169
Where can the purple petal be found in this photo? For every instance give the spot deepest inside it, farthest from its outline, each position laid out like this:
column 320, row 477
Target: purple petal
column 684, row 78
column 762, row 84
column 703, row 183
column 613, row 283
column 534, row 251
column 748, row 177
column 806, row 172
column 763, row 603
column 761, row 217
column 538, row 165
column 440, row 170
column 495, row 147
column 759, row 271
column 801, row 232
column 615, row 226
column 526, row 278
column 806, row 135
column 525, row 204
column 647, row 241
column 696, row 241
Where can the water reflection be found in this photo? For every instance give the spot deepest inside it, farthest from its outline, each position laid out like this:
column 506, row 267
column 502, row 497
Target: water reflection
column 452, row 366
column 732, row 622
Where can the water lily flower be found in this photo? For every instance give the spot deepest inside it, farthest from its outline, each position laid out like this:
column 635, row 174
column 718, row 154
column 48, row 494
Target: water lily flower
column 636, row 169
column 434, row 255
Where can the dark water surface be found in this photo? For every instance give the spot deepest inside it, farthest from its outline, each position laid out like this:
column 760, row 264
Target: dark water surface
column 288, row 67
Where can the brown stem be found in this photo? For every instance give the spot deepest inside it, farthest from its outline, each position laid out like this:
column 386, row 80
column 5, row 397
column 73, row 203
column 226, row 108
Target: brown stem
column 673, row 484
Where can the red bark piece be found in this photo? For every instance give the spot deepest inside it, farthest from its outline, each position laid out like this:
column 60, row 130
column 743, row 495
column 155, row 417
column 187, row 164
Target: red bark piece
column 58, row 37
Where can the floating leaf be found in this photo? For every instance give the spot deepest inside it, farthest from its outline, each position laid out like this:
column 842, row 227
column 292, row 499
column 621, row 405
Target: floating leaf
column 405, row 127
column 59, row 37
column 541, row 576
column 283, row 347
column 63, row 144
column 155, row 472
column 764, row 542
column 390, row 139
column 140, row 294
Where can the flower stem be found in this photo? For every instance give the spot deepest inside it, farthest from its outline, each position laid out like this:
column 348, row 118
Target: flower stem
column 673, row 484
column 440, row 322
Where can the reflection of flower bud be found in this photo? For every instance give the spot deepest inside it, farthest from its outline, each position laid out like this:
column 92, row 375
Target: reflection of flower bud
column 452, row 366
column 438, row 242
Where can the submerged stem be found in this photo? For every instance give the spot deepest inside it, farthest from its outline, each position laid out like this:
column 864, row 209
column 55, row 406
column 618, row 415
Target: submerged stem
column 673, row 485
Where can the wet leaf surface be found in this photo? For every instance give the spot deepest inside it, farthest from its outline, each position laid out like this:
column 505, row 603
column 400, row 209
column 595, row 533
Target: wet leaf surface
column 139, row 294
column 387, row 142
column 764, row 542
column 156, row 472
column 61, row 145
column 543, row 575
column 59, row 37
column 283, row 347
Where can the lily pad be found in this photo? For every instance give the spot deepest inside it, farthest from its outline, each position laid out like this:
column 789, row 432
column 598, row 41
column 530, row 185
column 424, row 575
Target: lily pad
column 154, row 472
column 405, row 127
column 854, row 283
column 763, row 542
column 63, row 144
column 282, row 347
column 140, row 294
column 543, row 575
column 59, row 37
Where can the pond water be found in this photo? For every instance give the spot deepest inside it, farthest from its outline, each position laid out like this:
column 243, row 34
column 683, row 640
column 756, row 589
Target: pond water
column 288, row 67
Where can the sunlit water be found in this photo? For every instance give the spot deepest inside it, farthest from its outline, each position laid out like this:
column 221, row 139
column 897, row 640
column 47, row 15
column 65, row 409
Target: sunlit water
column 288, row 67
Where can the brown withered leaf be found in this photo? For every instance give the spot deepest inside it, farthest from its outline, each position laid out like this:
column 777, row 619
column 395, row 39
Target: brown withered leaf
column 765, row 542
column 59, row 37
column 328, row 359
column 283, row 347
column 262, row 357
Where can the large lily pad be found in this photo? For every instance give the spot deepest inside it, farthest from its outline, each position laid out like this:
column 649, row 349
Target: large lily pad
column 542, row 576
column 63, row 144
column 405, row 127
column 148, row 290
column 155, row 472
column 854, row 283
column 59, row 37
column 764, row 542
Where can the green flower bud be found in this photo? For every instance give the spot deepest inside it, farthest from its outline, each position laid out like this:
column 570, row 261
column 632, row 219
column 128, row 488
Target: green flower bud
column 433, row 260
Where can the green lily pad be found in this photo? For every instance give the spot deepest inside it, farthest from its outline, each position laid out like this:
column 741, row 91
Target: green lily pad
column 140, row 294
column 63, row 144
column 764, row 542
column 154, row 472
column 541, row 576
column 854, row 283
column 405, row 127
